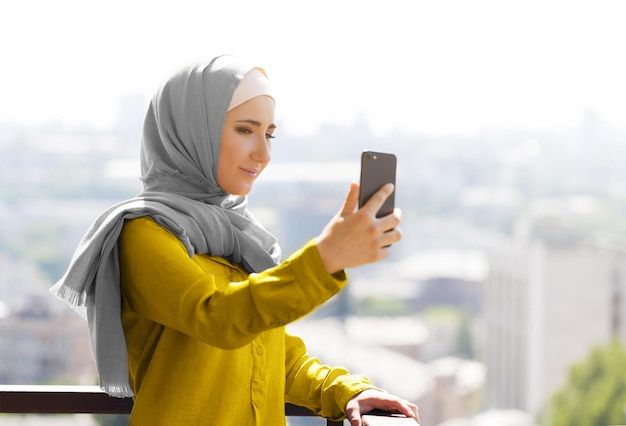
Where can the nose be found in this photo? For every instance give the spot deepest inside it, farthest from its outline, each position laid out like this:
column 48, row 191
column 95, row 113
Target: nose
column 263, row 151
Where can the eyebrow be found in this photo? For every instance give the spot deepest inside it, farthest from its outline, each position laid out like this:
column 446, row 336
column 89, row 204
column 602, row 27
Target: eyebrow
column 255, row 123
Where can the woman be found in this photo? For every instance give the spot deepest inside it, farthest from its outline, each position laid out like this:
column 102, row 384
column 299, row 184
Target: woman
column 185, row 294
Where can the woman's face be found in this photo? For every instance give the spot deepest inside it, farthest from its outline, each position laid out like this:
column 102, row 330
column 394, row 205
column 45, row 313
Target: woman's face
column 246, row 144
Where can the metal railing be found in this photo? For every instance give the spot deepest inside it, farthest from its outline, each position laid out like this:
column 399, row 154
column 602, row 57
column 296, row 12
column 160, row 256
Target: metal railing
column 20, row 399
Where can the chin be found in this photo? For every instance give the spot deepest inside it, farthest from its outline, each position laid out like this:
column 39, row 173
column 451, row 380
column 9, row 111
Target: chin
column 240, row 191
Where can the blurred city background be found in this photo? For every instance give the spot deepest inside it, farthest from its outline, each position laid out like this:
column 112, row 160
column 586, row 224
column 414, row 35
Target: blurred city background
column 505, row 302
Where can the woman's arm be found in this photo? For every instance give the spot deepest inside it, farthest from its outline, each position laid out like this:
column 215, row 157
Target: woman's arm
column 213, row 301
column 322, row 389
column 333, row 392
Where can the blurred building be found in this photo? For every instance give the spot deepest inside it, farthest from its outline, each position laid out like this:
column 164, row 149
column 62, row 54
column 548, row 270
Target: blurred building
column 41, row 339
column 445, row 388
column 555, row 290
column 41, row 346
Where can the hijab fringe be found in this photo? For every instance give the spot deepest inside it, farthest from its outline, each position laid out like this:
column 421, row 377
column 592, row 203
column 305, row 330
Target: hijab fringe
column 77, row 300
column 118, row 391
column 72, row 296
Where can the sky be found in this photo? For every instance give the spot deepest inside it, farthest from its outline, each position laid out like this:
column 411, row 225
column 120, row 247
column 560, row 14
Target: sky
column 437, row 67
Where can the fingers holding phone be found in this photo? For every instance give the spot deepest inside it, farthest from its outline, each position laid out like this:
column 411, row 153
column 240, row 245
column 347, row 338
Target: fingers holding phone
column 377, row 170
column 378, row 177
column 377, row 202
column 356, row 237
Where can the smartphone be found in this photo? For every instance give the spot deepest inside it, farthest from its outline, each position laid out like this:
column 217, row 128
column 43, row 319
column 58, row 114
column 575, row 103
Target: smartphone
column 377, row 169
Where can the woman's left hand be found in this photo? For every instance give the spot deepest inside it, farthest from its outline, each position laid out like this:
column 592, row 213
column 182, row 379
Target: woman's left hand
column 372, row 399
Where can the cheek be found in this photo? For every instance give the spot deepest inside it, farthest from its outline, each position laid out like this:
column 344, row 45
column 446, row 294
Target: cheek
column 228, row 161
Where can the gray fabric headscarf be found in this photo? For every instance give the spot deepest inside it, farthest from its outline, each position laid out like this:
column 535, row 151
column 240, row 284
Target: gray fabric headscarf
column 179, row 155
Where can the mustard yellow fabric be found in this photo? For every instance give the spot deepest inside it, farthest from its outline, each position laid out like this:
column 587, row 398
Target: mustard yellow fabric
column 207, row 343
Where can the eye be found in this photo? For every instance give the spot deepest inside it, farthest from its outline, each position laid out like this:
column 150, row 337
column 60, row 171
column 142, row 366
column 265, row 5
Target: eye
column 244, row 130
column 269, row 135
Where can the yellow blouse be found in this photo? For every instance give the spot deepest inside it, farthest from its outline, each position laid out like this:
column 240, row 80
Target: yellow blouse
column 207, row 342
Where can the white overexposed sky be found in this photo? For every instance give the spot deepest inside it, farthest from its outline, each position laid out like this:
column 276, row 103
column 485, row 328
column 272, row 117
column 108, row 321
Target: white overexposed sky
column 437, row 67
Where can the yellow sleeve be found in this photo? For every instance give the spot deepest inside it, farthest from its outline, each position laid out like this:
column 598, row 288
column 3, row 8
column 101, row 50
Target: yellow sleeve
column 161, row 283
column 322, row 389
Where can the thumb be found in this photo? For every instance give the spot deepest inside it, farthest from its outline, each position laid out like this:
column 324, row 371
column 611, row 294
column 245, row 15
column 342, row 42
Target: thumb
column 354, row 417
column 352, row 200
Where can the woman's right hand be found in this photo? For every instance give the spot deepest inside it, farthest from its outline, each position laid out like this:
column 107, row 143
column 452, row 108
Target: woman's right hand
column 356, row 237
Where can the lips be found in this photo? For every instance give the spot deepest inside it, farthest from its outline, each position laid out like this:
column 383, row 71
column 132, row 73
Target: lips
column 253, row 173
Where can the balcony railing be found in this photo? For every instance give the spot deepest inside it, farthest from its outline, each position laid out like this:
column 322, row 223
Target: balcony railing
column 84, row 400
column 19, row 399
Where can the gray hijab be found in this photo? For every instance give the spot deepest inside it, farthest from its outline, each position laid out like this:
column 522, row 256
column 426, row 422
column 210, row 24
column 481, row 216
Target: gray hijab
column 179, row 155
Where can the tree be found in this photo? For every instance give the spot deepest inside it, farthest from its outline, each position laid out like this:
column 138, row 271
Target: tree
column 595, row 391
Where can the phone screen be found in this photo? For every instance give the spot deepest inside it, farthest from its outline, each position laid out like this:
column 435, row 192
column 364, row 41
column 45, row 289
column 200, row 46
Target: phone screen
column 377, row 169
